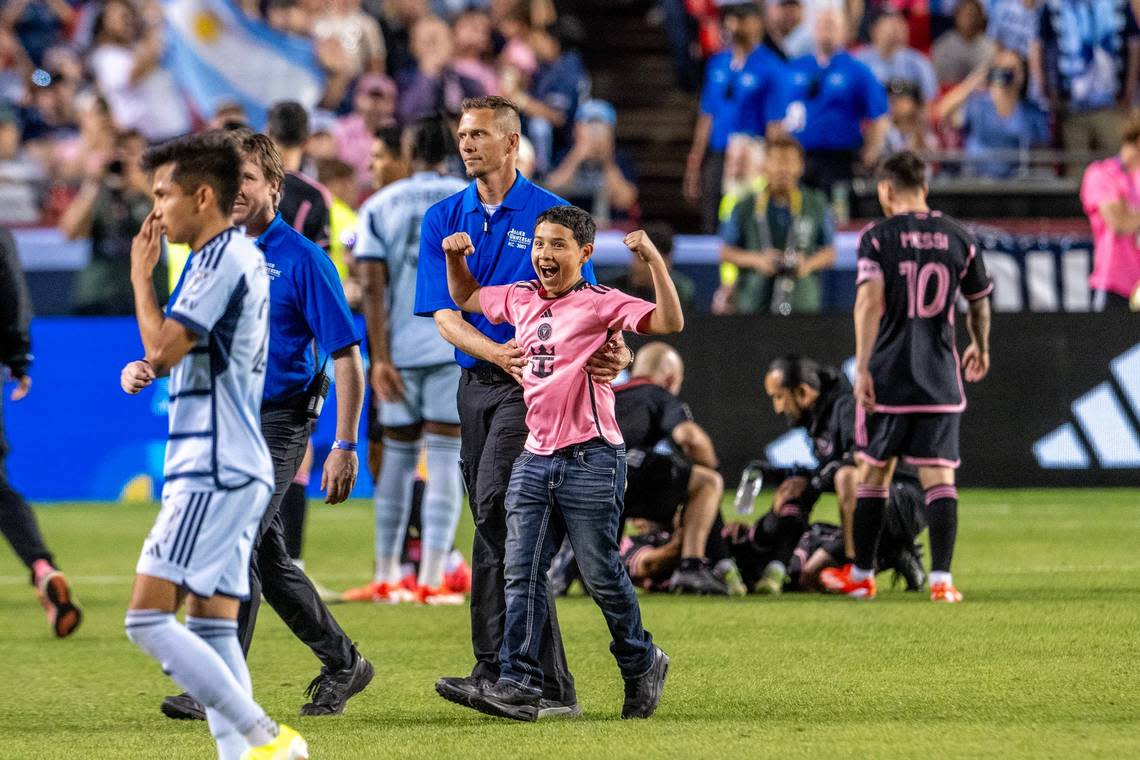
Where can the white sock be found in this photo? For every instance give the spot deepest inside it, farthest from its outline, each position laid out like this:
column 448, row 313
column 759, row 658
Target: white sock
column 937, row 577
column 859, row 574
column 221, row 636
column 394, row 506
column 443, row 501
column 200, row 671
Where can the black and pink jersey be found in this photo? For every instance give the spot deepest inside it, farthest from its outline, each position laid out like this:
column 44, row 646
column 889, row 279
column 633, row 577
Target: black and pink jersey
column 924, row 260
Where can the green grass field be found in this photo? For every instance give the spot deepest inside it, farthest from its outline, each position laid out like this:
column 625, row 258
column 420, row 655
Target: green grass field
column 1042, row 661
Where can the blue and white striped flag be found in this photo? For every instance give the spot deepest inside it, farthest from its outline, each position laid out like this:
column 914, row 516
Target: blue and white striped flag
column 217, row 55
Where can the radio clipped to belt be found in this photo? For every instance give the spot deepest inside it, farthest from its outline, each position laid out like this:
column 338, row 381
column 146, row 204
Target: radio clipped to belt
column 317, row 392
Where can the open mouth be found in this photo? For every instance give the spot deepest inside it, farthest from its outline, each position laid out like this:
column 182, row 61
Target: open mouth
column 548, row 271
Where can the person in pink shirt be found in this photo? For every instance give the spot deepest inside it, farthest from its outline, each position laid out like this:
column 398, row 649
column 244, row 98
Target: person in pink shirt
column 570, row 479
column 373, row 108
column 1110, row 193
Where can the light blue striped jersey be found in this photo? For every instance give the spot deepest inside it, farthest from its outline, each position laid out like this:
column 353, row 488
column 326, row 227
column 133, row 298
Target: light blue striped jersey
column 390, row 232
column 215, row 391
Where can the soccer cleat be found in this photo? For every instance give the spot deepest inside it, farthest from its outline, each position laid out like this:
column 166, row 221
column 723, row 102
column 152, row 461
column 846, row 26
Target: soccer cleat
column 838, row 580
column 771, row 582
column 643, row 694
column 183, row 707
column 944, row 592
column 729, row 574
column 63, row 614
column 330, row 691
column 289, row 745
column 460, row 690
column 508, row 700
column 552, row 708
column 699, row 581
column 381, row 593
column 438, row 597
column 457, row 574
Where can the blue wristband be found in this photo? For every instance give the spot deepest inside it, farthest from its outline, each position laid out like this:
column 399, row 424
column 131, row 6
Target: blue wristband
column 344, row 445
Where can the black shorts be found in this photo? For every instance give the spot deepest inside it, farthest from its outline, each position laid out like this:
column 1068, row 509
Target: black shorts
column 923, row 440
column 658, row 485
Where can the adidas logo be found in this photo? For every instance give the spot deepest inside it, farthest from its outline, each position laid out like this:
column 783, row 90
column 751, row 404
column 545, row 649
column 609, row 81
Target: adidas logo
column 548, row 314
column 1107, row 419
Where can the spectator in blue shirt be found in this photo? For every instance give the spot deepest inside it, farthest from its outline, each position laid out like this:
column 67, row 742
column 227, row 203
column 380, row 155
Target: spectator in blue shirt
column 995, row 115
column 1088, row 57
column 306, row 305
column 557, row 87
column 890, row 60
column 833, row 105
column 720, row 102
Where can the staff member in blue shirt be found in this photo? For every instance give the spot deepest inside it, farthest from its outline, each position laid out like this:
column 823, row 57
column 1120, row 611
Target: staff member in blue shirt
column 833, row 105
column 720, row 101
column 306, row 304
column 497, row 212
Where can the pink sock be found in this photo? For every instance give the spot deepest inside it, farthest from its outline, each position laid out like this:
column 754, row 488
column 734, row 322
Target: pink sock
column 40, row 568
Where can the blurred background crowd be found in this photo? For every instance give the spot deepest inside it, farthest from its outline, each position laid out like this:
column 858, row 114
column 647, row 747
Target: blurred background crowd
column 687, row 115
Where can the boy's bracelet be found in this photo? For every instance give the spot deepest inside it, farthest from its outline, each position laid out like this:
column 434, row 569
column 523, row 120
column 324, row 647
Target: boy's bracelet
column 632, row 356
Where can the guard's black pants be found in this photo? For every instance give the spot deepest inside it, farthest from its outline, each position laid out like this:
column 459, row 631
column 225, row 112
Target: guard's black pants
column 493, row 419
column 271, row 570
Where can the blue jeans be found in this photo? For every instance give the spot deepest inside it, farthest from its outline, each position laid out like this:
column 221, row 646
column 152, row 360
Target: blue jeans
column 576, row 492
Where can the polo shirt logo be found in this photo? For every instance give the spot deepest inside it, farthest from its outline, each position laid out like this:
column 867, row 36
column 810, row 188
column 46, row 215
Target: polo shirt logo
column 272, row 270
column 519, row 239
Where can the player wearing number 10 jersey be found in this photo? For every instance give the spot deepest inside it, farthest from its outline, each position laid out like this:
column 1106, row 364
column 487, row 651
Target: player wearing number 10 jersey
column 908, row 378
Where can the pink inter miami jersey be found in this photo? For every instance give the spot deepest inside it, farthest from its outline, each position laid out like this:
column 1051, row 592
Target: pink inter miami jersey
column 564, row 405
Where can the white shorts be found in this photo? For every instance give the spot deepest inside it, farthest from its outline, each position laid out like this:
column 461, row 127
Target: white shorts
column 202, row 539
column 429, row 396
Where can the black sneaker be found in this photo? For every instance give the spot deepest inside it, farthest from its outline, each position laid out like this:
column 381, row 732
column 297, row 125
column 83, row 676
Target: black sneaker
column 508, row 700
column 700, row 581
column 908, row 566
column 553, row 708
column 642, row 694
column 330, row 691
column 183, row 707
column 461, row 689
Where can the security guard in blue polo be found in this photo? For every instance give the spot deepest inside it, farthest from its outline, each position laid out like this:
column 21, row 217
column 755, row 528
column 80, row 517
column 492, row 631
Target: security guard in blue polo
column 496, row 212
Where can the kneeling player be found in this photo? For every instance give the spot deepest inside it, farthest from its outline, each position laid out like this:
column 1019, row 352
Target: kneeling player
column 219, row 476
column 822, row 545
column 908, row 382
column 672, row 463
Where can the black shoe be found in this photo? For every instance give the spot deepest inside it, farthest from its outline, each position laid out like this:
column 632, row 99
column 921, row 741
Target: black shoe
column 183, row 707
column 461, row 690
column 908, row 566
column 508, row 700
column 642, row 694
column 330, row 691
column 700, row 581
column 554, row 708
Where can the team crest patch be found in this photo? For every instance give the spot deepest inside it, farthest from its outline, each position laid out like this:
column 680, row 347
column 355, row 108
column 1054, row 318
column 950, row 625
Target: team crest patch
column 544, row 332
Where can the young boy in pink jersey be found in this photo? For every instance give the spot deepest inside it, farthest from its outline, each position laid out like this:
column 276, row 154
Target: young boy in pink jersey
column 570, row 478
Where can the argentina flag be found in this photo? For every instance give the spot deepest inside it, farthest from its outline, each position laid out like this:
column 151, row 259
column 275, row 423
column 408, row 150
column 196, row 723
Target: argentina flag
column 218, row 55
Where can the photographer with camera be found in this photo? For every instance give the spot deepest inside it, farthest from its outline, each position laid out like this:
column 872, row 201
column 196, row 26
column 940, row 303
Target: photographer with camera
column 779, row 237
column 109, row 210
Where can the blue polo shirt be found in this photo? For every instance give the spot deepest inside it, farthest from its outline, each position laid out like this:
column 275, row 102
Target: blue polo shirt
column 823, row 107
column 761, row 83
column 502, row 249
column 720, row 98
column 306, row 302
